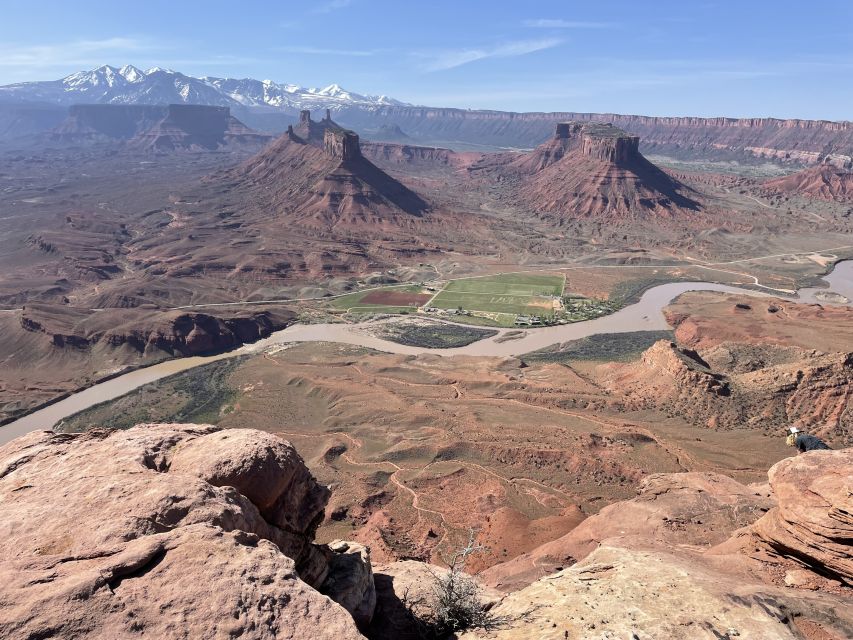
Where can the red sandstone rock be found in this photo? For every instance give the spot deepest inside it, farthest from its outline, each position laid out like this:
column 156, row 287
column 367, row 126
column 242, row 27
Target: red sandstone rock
column 350, row 580
column 824, row 182
column 157, row 127
column 148, row 532
column 408, row 583
column 718, row 389
column 792, row 140
column 662, row 594
column 592, row 170
column 315, row 176
column 151, row 330
column 647, row 572
column 813, row 522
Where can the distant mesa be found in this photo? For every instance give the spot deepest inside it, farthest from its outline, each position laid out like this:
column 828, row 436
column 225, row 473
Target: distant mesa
column 30, row 107
column 156, row 127
column 822, row 182
column 106, row 123
column 593, row 170
column 316, row 175
column 389, row 133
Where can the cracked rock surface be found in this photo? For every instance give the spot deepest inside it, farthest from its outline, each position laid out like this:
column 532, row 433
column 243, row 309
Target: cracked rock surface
column 163, row 531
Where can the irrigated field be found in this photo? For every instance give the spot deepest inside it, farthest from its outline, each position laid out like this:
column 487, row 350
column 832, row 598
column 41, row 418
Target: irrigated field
column 507, row 293
column 386, row 299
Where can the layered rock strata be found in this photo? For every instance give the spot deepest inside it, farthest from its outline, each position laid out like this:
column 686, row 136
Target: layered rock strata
column 813, row 522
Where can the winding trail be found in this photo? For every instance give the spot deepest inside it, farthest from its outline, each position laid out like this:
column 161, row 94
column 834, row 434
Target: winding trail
column 392, row 478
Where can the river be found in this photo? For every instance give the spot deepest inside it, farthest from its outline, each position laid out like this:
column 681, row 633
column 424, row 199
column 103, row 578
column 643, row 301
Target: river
column 645, row 315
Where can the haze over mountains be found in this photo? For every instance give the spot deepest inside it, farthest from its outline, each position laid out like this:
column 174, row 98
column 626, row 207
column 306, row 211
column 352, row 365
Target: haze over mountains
column 129, row 85
column 268, row 106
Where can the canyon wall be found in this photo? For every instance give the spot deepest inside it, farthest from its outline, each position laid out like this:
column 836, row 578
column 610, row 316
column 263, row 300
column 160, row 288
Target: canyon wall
column 108, row 121
column 799, row 141
column 18, row 120
column 608, row 144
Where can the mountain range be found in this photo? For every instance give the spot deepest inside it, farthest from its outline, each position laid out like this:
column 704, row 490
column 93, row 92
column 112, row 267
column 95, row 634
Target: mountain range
column 32, row 107
column 129, row 85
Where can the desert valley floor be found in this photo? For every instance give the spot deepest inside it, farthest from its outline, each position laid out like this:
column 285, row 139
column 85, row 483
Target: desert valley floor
column 457, row 341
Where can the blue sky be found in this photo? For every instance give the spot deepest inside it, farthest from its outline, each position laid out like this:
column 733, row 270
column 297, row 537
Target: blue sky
column 658, row 57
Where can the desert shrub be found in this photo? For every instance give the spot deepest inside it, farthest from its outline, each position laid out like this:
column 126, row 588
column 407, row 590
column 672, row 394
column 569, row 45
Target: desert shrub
column 455, row 602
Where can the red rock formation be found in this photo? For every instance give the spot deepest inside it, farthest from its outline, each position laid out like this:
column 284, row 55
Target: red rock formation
column 824, row 182
column 157, row 128
column 316, row 176
column 312, row 131
column 167, row 531
column 342, row 145
column 100, row 122
column 643, row 567
column 698, row 509
column 388, row 153
column 813, row 522
column 802, row 141
column 195, row 127
column 807, row 387
column 151, row 330
column 413, row 582
column 592, row 171
column 389, row 133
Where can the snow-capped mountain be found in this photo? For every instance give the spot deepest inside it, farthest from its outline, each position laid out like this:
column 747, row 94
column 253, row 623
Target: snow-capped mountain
column 129, row 85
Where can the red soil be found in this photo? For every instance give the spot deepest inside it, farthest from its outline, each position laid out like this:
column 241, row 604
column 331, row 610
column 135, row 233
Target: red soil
column 393, row 298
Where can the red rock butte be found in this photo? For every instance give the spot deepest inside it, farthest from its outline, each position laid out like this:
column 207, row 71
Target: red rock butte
column 317, row 177
column 593, row 170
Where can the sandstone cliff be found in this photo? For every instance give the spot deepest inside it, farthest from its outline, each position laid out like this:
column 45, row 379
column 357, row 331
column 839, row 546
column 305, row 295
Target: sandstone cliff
column 170, row 531
column 189, row 531
column 823, row 182
column 796, row 141
column 790, row 385
column 146, row 330
column 316, row 176
column 388, row 153
column 591, row 171
column 813, row 522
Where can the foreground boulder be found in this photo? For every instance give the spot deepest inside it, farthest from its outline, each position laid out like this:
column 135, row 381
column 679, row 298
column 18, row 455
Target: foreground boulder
column 657, row 595
column 167, row 531
column 813, row 522
column 406, row 590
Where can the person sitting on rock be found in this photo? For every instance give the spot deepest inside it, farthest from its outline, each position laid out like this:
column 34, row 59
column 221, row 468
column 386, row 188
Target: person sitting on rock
column 804, row 441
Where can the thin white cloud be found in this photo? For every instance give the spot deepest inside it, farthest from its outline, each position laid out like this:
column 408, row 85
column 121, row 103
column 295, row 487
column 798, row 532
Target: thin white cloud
column 333, row 5
column 321, row 51
column 549, row 23
column 442, row 60
column 78, row 52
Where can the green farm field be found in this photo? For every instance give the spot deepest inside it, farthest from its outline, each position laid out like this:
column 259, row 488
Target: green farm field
column 511, row 293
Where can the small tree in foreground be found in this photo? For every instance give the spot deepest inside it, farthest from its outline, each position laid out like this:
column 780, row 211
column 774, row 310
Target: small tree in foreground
column 455, row 603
